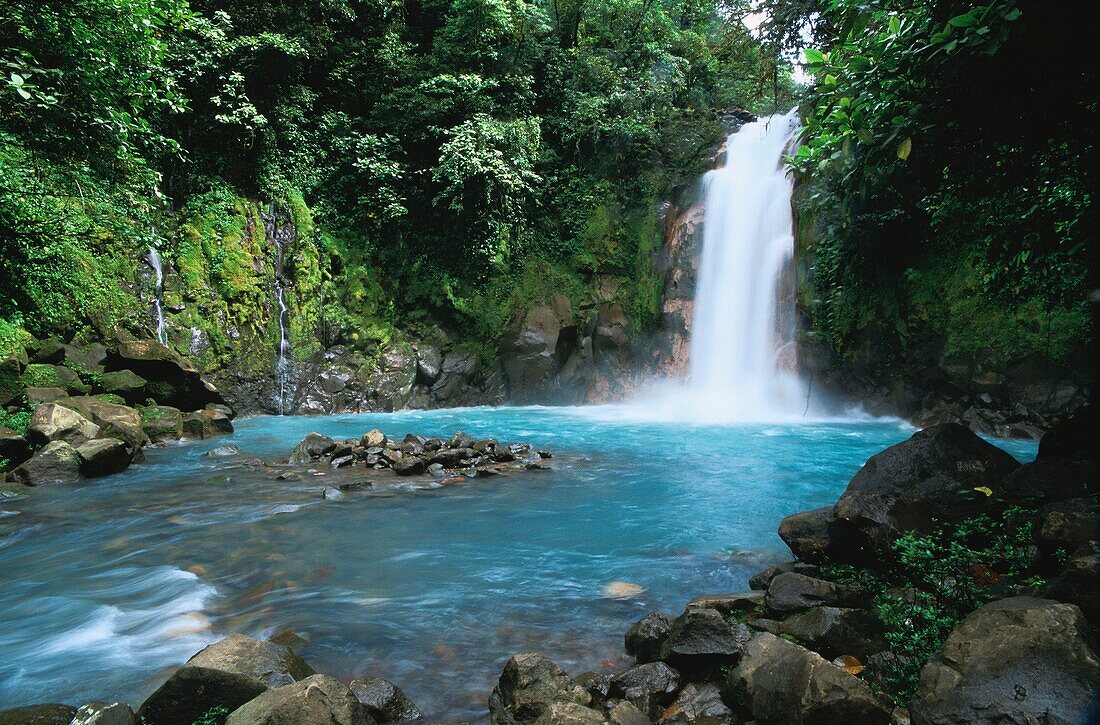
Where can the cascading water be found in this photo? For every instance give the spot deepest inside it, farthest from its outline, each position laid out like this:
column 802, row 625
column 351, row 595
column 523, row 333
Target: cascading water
column 743, row 330
column 158, row 298
column 284, row 388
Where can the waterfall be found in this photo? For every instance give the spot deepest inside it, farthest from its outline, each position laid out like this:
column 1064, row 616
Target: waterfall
column 743, row 327
column 158, row 298
column 284, row 387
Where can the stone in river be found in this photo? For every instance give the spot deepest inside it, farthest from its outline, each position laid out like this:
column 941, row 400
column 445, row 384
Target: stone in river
column 384, row 700
column 315, row 700
column 622, row 590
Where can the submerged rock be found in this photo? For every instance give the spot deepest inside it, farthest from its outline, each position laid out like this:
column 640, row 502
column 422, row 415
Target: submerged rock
column 1018, row 660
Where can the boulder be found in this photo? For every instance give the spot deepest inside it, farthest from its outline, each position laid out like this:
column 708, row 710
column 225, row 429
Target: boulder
column 780, row 683
column 51, row 350
column 192, row 425
column 797, row 592
column 13, row 447
column 37, row 396
column 836, row 631
column 429, row 364
column 37, row 375
column 570, row 713
column 374, row 438
column 698, row 703
column 1018, row 660
column 530, row 358
column 1079, row 582
column 125, row 383
column 1067, row 526
column 215, row 421
column 385, row 701
column 85, row 358
column 409, row 466
column 38, row 715
column 701, row 641
column 105, row 713
column 312, row 447
column 315, row 700
column 1073, row 439
column 228, row 673
column 1052, row 479
column 103, row 456
column 55, row 422
column 647, row 636
column 761, row 580
column 807, row 534
column 161, row 423
column 649, row 687
column 737, row 604
column 114, row 421
column 11, row 380
column 931, row 476
column 172, row 380
column 529, row 684
column 623, row 713
column 56, row 462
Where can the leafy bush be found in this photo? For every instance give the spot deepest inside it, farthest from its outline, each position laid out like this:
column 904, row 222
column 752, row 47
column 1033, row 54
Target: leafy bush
column 213, row 716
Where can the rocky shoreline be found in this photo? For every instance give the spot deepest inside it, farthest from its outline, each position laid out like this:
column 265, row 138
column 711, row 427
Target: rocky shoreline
column 1001, row 558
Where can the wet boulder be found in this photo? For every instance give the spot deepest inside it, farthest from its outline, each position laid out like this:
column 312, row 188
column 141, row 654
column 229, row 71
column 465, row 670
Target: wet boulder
column 216, row 421
column 38, row 715
column 315, row 700
column 528, row 686
column 807, row 534
column 700, row 703
column 761, row 580
column 701, row 641
column 792, row 592
column 409, row 465
column 193, row 426
column 385, row 701
column 114, row 421
column 161, row 423
column 570, row 713
column 171, row 380
column 228, row 673
column 623, row 713
column 1049, row 480
column 312, row 447
column 56, row 462
column 836, row 631
column 649, row 687
column 55, row 422
column 737, row 604
column 931, row 476
column 104, row 456
column 105, row 713
column 1018, row 660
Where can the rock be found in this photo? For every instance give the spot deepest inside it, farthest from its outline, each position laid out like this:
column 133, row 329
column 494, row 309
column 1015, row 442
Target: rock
column 807, row 534
column 1067, row 525
column 53, row 376
column 781, row 683
column 737, row 604
column 374, row 439
column 105, row 713
column 172, row 380
column 313, row 446
column 114, row 421
column 103, row 456
column 37, row 396
column 125, row 383
column 649, row 687
column 87, row 359
column 50, row 350
column 622, row 590
column 529, row 684
column 215, row 421
column 162, row 423
column 55, row 422
column 1073, row 439
column 796, row 592
column 698, row 703
column 595, row 684
column 1078, row 584
column 570, row 713
column 763, row 579
column 56, row 462
column 192, row 425
column 409, row 466
column 228, row 673
column 1018, row 660
column 429, row 365
column 646, row 637
column 11, row 380
column 13, row 447
column 38, row 715
column 531, row 357
column 315, row 700
column 623, row 713
column 1052, row 479
column 835, row 631
column 701, row 640
column 903, row 488
column 223, row 451
column 385, row 701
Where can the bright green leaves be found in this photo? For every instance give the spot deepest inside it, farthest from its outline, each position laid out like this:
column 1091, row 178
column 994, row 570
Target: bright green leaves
column 982, row 29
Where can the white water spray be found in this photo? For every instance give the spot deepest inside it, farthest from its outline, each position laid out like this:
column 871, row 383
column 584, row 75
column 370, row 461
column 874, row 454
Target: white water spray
column 284, row 389
column 743, row 330
column 158, row 298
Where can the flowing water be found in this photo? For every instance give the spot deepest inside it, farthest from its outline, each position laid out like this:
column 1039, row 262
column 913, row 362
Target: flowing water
column 158, row 297
column 107, row 583
column 284, row 384
column 743, row 331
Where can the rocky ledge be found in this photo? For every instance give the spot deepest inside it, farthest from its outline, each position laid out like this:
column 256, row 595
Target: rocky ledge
column 87, row 411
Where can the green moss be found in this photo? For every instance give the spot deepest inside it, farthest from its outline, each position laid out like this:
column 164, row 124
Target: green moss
column 39, row 375
column 13, row 338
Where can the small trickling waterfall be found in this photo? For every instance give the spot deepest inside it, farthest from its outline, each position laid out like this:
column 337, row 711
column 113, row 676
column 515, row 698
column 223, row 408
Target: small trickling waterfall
column 284, row 374
column 744, row 326
column 158, row 297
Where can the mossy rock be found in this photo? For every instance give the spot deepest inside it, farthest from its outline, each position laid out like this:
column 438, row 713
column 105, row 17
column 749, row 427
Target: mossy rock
column 37, row 396
column 126, row 384
column 11, row 381
column 48, row 351
column 162, row 422
column 110, row 398
column 41, row 375
column 13, row 489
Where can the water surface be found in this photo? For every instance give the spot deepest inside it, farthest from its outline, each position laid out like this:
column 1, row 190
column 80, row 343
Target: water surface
column 107, row 584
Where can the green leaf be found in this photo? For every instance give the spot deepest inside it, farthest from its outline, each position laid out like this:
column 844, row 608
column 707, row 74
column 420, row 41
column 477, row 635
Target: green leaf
column 904, row 149
column 963, row 21
column 813, row 57
column 895, row 24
